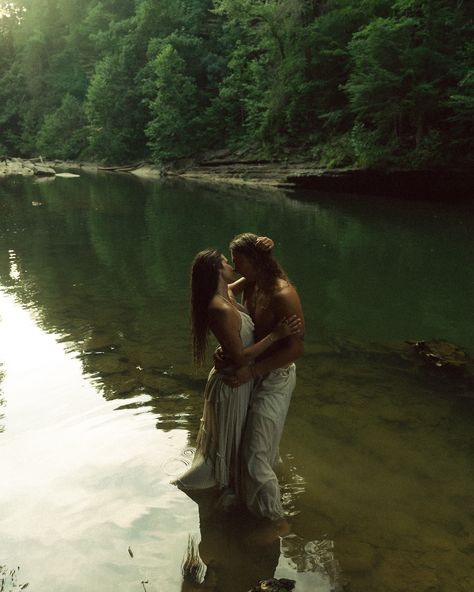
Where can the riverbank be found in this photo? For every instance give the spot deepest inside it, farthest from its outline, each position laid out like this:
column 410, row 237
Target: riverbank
column 39, row 167
column 25, row 168
column 288, row 175
column 308, row 176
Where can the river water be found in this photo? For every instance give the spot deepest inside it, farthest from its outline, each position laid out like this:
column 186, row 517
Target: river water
column 99, row 406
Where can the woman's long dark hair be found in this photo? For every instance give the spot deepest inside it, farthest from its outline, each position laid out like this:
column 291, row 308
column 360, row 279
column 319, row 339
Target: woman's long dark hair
column 269, row 270
column 204, row 279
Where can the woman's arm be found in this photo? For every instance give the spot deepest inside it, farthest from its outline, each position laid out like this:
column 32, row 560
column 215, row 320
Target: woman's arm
column 236, row 288
column 225, row 324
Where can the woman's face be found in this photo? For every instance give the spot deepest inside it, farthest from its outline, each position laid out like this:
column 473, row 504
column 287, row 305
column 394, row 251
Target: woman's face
column 243, row 266
column 227, row 271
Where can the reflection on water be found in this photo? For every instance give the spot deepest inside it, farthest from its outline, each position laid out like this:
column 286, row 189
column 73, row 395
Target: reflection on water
column 235, row 551
column 100, row 405
column 2, row 402
column 83, row 480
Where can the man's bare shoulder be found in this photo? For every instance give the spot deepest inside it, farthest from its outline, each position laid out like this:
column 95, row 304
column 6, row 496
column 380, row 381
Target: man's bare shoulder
column 286, row 301
column 284, row 292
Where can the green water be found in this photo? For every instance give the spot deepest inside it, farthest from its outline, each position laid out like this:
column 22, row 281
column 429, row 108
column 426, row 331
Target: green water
column 99, row 405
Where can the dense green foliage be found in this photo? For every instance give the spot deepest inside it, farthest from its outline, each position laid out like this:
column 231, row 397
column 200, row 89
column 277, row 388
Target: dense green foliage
column 366, row 82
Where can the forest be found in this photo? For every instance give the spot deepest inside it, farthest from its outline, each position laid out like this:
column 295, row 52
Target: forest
column 366, row 83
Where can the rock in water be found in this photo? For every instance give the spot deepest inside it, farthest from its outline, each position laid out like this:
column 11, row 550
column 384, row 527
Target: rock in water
column 441, row 353
column 45, row 171
column 274, row 585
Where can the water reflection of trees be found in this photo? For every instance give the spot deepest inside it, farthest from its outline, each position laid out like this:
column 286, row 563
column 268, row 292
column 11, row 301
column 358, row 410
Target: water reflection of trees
column 105, row 263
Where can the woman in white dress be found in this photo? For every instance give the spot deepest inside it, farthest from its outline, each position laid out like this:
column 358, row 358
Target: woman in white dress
column 213, row 308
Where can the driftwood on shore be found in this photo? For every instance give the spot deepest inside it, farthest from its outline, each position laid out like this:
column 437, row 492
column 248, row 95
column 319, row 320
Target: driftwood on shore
column 121, row 168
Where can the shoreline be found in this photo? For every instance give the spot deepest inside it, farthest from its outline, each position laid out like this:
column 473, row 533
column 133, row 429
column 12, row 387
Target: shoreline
column 39, row 167
column 305, row 176
column 308, row 177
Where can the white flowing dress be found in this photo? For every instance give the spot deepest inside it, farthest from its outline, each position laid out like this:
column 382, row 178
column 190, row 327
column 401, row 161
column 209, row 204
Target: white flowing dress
column 217, row 460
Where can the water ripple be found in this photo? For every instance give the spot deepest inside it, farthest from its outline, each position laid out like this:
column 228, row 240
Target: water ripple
column 176, row 466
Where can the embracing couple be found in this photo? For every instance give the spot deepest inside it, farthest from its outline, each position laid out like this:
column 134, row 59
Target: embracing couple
column 248, row 391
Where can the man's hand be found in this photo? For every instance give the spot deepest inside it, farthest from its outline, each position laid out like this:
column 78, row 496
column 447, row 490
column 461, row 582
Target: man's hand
column 220, row 361
column 265, row 243
column 241, row 376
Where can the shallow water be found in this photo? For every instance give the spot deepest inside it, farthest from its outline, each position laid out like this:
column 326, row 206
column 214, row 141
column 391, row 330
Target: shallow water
column 99, row 406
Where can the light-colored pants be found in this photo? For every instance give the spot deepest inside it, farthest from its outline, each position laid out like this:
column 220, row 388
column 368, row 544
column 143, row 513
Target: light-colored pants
column 269, row 404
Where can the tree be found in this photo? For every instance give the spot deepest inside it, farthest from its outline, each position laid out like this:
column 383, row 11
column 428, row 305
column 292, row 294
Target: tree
column 402, row 69
column 172, row 129
column 12, row 83
column 114, row 112
column 345, row 81
column 63, row 132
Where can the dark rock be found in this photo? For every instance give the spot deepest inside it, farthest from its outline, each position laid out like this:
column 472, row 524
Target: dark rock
column 274, row 585
column 43, row 171
column 440, row 353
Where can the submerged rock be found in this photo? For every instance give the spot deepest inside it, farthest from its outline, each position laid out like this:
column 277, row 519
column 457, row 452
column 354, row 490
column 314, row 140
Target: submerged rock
column 274, row 585
column 440, row 353
column 105, row 364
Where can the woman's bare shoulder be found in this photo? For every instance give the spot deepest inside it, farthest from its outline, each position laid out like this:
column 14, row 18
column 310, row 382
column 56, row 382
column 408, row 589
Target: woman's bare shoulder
column 219, row 303
column 220, row 309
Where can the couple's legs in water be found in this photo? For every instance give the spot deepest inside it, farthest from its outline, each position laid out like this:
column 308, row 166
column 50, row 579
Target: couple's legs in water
column 269, row 404
column 250, row 473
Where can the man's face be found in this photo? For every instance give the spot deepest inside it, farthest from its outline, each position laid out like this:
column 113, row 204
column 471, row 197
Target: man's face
column 243, row 266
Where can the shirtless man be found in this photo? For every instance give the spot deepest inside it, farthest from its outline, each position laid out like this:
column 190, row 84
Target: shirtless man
column 269, row 297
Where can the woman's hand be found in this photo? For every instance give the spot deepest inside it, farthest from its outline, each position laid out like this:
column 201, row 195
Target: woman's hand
column 265, row 243
column 287, row 326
